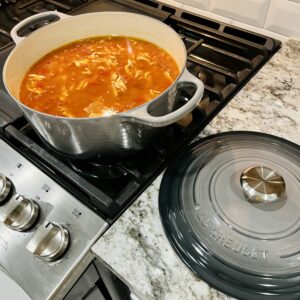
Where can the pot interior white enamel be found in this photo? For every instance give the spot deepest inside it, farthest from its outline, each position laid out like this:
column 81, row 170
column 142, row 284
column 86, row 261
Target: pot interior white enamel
column 130, row 130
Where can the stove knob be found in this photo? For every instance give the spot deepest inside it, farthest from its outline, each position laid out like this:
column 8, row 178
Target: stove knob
column 5, row 186
column 19, row 213
column 49, row 242
column 262, row 185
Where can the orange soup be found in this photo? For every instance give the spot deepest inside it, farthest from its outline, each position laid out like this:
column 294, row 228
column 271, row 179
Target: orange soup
column 98, row 76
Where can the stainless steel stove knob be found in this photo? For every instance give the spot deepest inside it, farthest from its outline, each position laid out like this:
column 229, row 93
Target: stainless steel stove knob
column 5, row 187
column 262, row 185
column 49, row 242
column 19, row 213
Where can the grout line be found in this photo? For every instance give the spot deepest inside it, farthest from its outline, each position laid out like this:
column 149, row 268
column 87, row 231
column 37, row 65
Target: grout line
column 267, row 14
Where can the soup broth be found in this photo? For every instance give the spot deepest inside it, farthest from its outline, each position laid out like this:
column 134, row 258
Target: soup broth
column 98, row 76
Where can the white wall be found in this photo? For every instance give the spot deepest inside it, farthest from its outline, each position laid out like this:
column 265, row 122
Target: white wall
column 277, row 18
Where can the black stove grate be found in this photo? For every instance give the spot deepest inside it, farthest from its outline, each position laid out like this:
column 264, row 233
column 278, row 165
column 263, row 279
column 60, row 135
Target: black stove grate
column 14, row 11
column 223, row 56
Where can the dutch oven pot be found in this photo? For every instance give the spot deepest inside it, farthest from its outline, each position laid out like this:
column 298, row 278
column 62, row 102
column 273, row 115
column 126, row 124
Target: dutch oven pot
column 108, row 135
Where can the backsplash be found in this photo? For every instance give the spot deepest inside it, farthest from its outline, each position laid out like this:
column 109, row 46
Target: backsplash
column 277, row 18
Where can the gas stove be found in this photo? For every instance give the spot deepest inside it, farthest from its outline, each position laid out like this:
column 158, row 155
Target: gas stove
column 76, row 200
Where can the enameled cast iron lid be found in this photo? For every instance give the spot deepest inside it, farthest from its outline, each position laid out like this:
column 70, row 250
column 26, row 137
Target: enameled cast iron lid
column 230, row 207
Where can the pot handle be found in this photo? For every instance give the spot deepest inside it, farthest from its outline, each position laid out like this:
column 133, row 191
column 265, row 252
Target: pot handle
column 143, row 117
column 14, row 32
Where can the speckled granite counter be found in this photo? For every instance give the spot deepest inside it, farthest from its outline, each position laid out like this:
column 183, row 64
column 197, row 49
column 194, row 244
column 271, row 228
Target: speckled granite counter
column 136, row 248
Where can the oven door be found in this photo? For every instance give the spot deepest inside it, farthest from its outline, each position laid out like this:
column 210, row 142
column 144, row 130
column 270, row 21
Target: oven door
column 10, row 289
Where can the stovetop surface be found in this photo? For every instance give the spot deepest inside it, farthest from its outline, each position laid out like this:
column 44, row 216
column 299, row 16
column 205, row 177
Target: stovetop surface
column 223, row 56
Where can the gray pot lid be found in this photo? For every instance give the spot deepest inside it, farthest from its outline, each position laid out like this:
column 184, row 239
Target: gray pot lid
column 230, row 206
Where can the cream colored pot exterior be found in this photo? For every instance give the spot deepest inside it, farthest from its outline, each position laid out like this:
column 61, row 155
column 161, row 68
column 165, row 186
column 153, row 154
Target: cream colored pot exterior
column 116, row 134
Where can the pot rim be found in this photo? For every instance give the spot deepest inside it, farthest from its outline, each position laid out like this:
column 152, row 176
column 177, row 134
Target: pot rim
column 119, row 114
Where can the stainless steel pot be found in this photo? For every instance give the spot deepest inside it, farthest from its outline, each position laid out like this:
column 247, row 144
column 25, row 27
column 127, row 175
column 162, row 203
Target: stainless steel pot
column 108, row 135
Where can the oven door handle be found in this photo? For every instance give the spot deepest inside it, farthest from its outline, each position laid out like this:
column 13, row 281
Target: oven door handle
column 31, row 21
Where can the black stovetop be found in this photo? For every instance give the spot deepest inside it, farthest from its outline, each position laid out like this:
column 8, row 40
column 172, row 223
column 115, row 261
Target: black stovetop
column 223, row 56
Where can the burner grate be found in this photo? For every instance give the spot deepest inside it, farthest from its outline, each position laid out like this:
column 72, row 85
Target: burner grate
column 219, row 54
column 12, row 12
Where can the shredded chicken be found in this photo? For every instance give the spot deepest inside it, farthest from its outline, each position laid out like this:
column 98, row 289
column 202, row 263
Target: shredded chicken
column 129, row 67
column 86, row 70
column 121, row 48
column 72, row 86
column 81, row 62
column 37, row 76
column 144, row 57
column 101, row 68
column 64, row 93
column 32, row 85
column 118, row 83
column 82, row 85
column 65, row 112
column 95, row 107
column 167, row 75
column 154, row 93
column 97, row 54
column 35, row 90
column 138, row 74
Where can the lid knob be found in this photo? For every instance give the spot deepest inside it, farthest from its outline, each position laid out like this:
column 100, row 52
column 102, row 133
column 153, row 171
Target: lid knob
column 262, row 185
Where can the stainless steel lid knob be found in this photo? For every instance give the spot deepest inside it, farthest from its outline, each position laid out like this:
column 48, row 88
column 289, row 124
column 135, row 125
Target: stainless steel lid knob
column 19, row 213
column 5, row 187
column 49, row 242
column 261, row 184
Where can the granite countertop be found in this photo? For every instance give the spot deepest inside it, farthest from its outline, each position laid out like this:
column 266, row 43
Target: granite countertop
column 136, row 247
